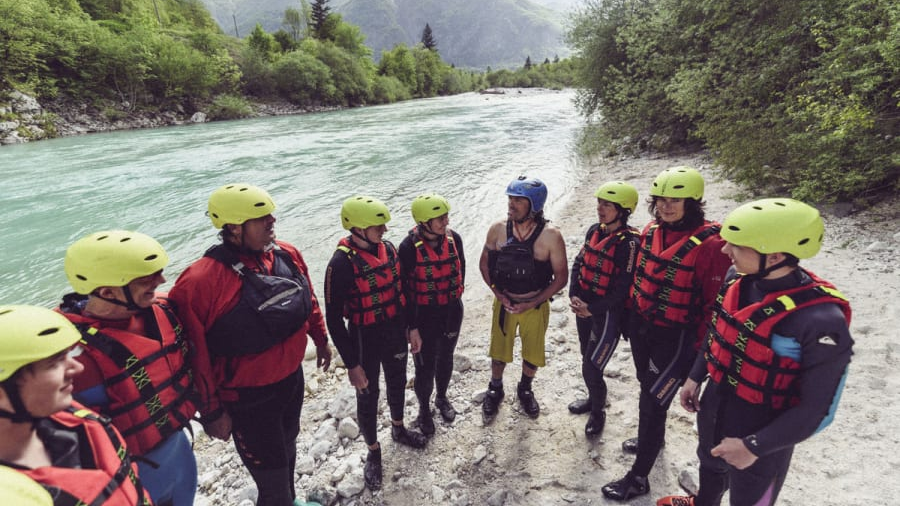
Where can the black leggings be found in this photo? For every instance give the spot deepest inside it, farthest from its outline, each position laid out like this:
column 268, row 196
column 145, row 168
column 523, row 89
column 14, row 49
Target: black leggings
column 382, row 345
column 598, row 337
column 663, row 357
column 265, row 425
column 434, row 363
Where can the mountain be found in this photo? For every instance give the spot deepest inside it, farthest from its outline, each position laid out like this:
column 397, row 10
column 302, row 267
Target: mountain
column 469, row 33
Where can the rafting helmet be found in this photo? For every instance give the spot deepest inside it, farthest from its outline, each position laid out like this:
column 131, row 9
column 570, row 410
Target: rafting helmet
column 112, row 258
column 429, row 206
column 233, row 204
column 363, row 212
column 618, row 192
column 678, row 182
column 776, row 225
column 29, row 334
column 532, row 189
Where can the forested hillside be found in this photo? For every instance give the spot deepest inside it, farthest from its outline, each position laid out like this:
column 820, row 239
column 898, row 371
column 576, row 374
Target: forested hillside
column 470, row 33
column 799, row 98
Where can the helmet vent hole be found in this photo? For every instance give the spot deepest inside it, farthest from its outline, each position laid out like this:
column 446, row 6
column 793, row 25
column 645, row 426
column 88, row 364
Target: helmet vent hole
column 49, row 332
column 678, row 187
column 102, row 237
column 779, row 204
column 259, row 204
column 803, row 241
column 5, row 312
column 734, row 228
column 125, row 239
column 82, row 278
column 758, row 208
column 151, row 258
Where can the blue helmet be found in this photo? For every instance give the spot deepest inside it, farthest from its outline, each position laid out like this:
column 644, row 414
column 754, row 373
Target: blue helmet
column 532, row 189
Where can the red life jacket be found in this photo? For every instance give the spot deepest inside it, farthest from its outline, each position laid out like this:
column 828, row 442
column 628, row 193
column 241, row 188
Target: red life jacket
column 437, row 278
column 664, row 291
column 377, row 295
column 109, row 480
column 598, row 260
column 739, row 341
column 147, row 377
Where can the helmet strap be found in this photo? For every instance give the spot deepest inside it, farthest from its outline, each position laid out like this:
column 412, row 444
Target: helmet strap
column 21, row 414
column 425, row 231
column 129, row 303
column 765, row 270
column 363, row 238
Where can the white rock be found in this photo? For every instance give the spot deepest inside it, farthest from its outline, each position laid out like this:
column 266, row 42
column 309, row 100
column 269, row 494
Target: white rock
column 305, row 465
column 479, row 454
column 351, row 485
column 343, row 404
column 498, row 498
column 437, row 494
column 348, row 428
column 326, row 432
column 461, row 363
column 319, row 449
column 199, row 117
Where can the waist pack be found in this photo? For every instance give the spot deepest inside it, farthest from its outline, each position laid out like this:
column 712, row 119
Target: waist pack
column 272, row 307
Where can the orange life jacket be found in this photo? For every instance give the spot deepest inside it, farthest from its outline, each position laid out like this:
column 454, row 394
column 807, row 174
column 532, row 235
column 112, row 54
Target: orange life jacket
column 739, row 341
column 147, row 377
column 377, row 295
column 110, row 479
column 598, row 259
column 664, row 291
column 437, row 277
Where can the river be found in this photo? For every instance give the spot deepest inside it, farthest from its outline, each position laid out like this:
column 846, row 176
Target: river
column 465, row 147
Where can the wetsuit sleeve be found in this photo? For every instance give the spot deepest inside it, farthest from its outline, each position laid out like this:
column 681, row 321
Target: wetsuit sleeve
column 461, row 251
column 316, row 321
column 826, row 348
column 338, row 283
column 407, row 254
column 620, row 284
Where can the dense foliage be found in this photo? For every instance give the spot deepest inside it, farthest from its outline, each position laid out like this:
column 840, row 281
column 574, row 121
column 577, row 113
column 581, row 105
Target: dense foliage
column 793, row 97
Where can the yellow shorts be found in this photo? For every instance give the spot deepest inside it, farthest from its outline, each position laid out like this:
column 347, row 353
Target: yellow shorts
column 532, row 327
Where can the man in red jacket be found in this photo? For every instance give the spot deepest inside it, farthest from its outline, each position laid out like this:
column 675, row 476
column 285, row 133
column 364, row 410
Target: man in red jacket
column 248, row 353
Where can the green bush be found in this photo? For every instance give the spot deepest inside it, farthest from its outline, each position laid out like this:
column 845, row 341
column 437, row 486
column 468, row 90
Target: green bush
column 226, row 107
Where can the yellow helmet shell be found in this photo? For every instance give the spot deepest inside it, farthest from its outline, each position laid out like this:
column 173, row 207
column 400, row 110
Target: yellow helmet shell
column 29, row 334
column 618, row 192
column 429, row 206
column 112, row 258
column 233, row 204
column 20, row 490
column 678, row 183
column 363, row 212
column 776, row 225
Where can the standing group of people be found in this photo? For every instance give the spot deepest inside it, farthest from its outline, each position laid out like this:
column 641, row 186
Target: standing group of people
column 118, row 365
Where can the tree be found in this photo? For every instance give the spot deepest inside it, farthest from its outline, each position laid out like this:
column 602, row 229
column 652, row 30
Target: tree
column 294, row 23
column 528, row 63
column 428, row 38
column 320, row 11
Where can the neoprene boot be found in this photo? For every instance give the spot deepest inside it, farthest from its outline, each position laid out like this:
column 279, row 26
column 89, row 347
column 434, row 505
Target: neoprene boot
column 446, row 409
column 529, row 403
column 595, row 423
column 409, row 437
column 632, row 445
column 372, row 472
column 626, row 488
column 580, row 406
column 426, row 423
column 491, row 404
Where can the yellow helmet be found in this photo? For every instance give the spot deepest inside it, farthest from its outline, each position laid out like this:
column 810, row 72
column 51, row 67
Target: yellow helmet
column 112, row 258
column 363, row 212
column 29, row 334
column 678, row 183
column 233, row 204
column 618, row 192
column 776, row 225
column 18, row 489
column 426, row 207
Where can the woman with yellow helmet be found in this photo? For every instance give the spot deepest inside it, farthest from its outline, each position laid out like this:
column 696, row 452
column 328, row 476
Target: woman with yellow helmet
column 44, row 434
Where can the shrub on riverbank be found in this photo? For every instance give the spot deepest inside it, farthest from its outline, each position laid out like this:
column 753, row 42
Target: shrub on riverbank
column 792, row 98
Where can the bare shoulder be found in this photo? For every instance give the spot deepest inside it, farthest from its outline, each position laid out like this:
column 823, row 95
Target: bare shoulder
column 496, row 235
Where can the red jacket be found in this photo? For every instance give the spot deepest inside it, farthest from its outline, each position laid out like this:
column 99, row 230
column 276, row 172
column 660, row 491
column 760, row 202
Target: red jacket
column 208, row 289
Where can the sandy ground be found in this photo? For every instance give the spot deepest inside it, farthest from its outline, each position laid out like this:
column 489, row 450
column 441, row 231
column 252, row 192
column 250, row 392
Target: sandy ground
column 549, row 461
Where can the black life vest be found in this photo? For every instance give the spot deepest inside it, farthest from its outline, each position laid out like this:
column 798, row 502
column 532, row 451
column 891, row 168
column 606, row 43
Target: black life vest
column 514, row 268
column 272, row 306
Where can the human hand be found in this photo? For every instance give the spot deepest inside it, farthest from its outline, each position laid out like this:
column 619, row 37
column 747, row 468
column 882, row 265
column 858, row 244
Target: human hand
column 415, row 340
column 220, row 428
column 358, row 378
column 323, row 356
column 690, row 396
column 735, row 452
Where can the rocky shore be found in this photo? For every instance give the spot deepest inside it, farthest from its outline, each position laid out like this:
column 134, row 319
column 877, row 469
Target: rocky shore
column 24, row 119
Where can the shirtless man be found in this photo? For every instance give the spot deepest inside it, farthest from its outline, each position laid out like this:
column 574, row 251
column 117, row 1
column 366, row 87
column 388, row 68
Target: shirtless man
column 524, row 263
